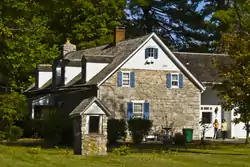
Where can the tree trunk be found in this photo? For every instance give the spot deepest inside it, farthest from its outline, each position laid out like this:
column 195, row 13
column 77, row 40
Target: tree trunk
column 247, row 132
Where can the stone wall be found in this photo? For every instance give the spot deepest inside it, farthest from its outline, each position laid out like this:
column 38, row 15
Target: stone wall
column 177, row 107
column 94, row 144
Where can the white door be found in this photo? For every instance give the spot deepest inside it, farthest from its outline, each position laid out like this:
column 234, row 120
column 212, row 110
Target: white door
column 208, row 112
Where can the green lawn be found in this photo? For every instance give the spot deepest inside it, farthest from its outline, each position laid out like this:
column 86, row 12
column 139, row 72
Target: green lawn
column 209, row 156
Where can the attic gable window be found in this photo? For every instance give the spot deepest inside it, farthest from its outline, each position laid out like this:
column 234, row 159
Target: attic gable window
column 151, row 53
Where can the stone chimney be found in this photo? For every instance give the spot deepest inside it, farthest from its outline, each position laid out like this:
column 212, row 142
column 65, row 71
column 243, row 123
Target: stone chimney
column 119, row 34
column 68, row 47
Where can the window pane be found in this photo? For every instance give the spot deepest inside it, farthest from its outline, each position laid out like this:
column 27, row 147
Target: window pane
column 138, row 107
column 125, row 82
column 174, row 83
column 125, row 75
column 151, row 52
column 174, row 77
column 94, row 124
column 207, row 117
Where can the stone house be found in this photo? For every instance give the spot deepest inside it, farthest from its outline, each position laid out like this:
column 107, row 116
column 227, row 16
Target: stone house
column 137, row 77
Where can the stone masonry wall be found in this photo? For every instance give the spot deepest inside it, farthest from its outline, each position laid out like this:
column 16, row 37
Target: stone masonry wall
column 179, row 107
column 94, row 144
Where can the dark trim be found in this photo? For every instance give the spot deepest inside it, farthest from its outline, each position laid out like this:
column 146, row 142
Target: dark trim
column 61, row 89
column 84, row 70
column 37, row 78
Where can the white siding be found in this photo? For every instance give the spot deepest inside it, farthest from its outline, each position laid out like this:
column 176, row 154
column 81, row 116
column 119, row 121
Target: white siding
column 71, row 72
column 43, row 78
column 138, row 60
column 209, row 97
column 94, row 109
column 93, row 68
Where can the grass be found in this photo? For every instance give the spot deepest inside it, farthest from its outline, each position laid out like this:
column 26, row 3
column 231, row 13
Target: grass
column 223, row 155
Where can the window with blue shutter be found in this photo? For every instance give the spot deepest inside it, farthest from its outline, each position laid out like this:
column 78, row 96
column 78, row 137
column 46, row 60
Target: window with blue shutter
column 132, row 79
column 168, row 80
column 129, row 110
column 146, row 111
column 146, row 53
column 119, row 79
column 156, row 53
column 180, row 81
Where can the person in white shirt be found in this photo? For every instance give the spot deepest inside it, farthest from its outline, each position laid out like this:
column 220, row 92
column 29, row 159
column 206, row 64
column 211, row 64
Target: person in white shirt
column 224, row 129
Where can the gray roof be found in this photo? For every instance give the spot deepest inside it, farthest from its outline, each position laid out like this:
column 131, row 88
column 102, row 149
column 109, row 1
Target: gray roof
column 202, row 65
column 122, row 50
column 85, row 104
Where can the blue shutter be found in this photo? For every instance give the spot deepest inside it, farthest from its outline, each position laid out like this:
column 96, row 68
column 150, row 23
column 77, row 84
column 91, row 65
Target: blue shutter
column 180, row 81
column 132, row 79
column 119, row 79
column 146, row 110
column 168, row 80
column 146, row 53
column 129, row 110
column 156, row 53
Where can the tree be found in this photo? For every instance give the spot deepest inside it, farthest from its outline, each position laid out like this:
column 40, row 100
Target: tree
column 235, row 89
column 23, row 41
column 183, row 24
column 87, row 23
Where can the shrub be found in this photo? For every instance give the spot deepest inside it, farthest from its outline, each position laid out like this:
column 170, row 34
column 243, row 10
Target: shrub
column 179, row 139
column 123, row 150
column 15, row 133
column 139, row 128
column 57, row 128
column 116, row 129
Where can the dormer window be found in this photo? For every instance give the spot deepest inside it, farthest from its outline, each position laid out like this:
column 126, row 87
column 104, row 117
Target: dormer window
column 151, row 53
column 58, row 74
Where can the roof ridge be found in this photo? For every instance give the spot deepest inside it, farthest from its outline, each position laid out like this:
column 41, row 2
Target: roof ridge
column 202, row 54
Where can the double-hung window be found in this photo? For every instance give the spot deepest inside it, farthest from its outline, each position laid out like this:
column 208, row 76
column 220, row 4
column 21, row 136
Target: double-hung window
column 126, row 79
column 174, row 80
column 138, row 109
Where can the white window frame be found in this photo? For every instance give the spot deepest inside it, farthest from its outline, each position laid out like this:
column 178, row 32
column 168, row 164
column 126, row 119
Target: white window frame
column 127, row 72
column 87, row 123
column 138, row 102
column 174, row 86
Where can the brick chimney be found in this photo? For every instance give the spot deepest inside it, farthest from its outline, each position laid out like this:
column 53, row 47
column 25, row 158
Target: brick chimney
column 119, row 34
column 68, row 47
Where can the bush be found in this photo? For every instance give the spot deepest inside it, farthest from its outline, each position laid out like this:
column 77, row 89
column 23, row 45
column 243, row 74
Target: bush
column 15, row 133
column 179, row 139
column 116, row 129
column 57, row 128
column 123, row 150
column 139, row 128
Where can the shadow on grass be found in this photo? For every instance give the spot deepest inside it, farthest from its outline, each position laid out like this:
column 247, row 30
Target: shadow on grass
column 196, row 147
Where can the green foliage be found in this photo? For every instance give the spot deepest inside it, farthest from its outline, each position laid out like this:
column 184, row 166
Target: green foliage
column 182, row 24
column 34, row 150
column 139, row 128
column 86, row 23
column 123, row 150
column 13, row 107
column 15, row 133
column 179, row 139
column 56, row 127
column 116, row 129
column 236, row 42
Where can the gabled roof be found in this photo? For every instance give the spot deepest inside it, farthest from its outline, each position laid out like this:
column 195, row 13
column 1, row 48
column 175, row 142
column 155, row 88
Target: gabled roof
column 202, row 66
column 85, row 104
column 126, row 52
